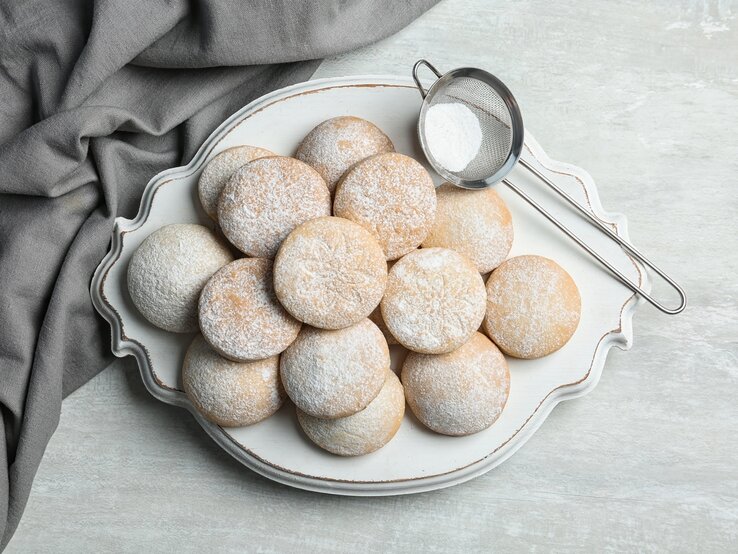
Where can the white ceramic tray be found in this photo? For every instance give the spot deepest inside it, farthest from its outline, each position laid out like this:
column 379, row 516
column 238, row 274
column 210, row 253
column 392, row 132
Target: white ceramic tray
column 415, row 460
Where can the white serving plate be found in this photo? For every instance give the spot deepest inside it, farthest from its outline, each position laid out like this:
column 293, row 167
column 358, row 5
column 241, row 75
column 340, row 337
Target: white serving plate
column 416, row 459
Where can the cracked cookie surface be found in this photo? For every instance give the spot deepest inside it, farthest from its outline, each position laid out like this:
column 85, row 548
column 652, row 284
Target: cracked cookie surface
column 434, row 300
column 393, row 196
column 266, row 199
column 335, row 373
column 216, row 174
column 231, row 393
column 168, row 270
column 336, row 144
column 461, row 392
column 330, row 273
column 533, row 306
column 239, row 313
column 364, row 432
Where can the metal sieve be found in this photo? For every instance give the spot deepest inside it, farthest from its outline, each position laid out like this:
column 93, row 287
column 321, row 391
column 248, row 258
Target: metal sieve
column 503, row 133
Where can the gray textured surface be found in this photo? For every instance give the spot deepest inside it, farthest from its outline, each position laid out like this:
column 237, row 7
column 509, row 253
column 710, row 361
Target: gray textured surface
column 645, row 97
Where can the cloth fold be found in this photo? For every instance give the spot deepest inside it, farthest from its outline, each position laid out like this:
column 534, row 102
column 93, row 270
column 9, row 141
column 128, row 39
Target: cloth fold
column 96, row 97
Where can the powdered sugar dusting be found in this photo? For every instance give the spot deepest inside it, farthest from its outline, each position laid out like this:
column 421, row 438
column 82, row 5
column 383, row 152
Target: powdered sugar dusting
column 393, row 196
column 458, row 393
column 475, row 223
column 333, row 374
column 266, row 199
column 231, row 393
column 330, row 273
column 533, row 306
column 240, row 315
column 434, row 301
column 337, row 144
column 365, row 431
column 453, row 135
column 168, row 270
column 219, row 170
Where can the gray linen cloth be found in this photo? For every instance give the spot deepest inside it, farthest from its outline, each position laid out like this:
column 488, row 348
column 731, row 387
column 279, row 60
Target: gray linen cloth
column 95, row 98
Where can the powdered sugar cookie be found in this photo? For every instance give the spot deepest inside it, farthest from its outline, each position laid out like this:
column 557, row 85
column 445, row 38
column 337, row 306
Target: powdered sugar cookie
column 337, row 144
column 393, row 196
column 239, row 313
column 168, row 270
column 363, row 432
column 335, row 373
column 330, row 273
column 434, row 300
column 533, row 306
column 219, row 170
column 475, row 223
column 266, row 199
column 458, row 393
column 230, row 393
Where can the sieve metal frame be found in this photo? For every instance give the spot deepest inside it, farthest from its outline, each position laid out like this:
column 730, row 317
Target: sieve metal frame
column 516, row 121
column 518, row 134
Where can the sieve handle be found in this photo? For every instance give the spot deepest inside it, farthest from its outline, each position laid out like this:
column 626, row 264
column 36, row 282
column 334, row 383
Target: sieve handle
column 614, row 236
column 427, row 64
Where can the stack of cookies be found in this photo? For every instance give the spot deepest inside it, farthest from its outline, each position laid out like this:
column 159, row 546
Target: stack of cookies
column 345, row 248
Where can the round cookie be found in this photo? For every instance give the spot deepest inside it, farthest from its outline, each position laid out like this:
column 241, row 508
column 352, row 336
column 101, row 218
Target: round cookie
column 458, row 393
column 239, row 313
column 533, row 306
column 475, row 223
column 215, row 175
column 266, row 199
column 434, row 300
column 393, row 196
column 363, row 432
column 337, row 144
column 335, row 373
column 231, row 394
column 168, row 270
column 330, row 273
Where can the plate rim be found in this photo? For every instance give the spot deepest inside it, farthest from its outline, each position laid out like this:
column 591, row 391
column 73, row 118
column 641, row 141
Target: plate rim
column 122, row 345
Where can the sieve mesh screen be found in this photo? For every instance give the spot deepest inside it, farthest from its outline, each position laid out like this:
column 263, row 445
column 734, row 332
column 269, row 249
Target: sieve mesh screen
column 494, row 119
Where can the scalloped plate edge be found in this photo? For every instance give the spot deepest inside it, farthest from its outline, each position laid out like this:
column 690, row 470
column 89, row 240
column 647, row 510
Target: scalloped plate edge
column 121, row 345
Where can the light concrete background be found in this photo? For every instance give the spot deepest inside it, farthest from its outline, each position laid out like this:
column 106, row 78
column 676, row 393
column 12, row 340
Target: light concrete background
column 644, row 95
